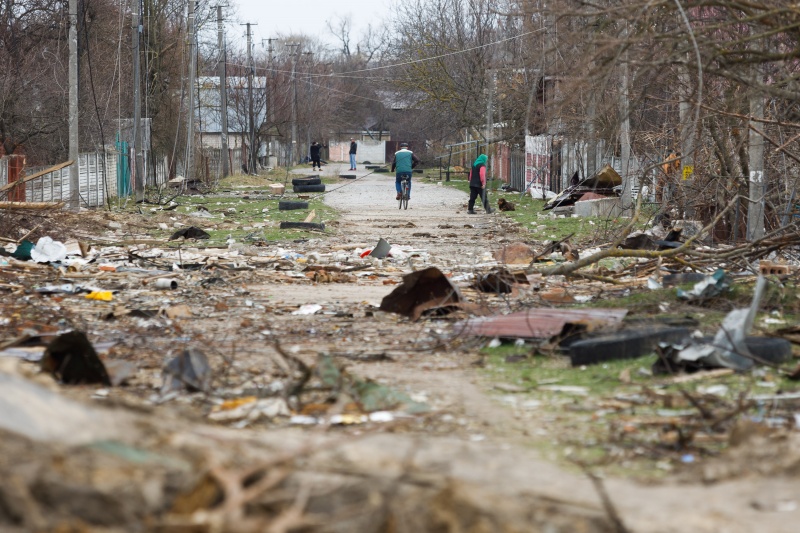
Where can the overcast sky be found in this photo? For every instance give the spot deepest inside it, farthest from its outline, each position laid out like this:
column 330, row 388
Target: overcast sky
column 308, row 16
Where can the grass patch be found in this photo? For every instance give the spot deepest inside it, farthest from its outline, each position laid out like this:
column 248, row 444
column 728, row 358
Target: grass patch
column 247, row 215
column 616, row 416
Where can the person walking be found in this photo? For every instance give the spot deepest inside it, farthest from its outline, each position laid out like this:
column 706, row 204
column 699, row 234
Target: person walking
column 477, row 185
column 353, row 148
column 404, row 161
column 262, row 154
column 315, row 151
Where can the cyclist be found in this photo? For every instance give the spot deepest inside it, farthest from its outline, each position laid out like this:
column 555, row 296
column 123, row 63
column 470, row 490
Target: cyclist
column 404, row 161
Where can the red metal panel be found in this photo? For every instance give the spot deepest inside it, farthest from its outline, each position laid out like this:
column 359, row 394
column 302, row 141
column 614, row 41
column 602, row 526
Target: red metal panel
column 540, row 323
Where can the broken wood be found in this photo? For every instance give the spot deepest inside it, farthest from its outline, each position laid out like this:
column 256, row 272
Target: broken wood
column 311, row 216
column 32, row 205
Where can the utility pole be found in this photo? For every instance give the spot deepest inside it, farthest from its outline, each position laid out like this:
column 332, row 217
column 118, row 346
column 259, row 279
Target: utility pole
column 223, row 95
column 251, row 156
column 758, row 181
column 74, row 181
column 268, row 114
column 267, row 92
column 138, row 165
column 191, row 84
column 625, row 135
column 293, row 146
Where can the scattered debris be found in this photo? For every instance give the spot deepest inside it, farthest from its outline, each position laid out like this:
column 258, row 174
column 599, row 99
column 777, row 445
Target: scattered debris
column 188, row 371
column 500, row 281
column 191, row 232
column 71, row 359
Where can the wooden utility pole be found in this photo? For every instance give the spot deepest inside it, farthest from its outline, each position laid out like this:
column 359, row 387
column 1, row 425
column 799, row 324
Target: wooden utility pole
column 223, row 95
column 74, row 181
column 191, row 84
column 251, row 156
column 293, row 146
column 137, row 164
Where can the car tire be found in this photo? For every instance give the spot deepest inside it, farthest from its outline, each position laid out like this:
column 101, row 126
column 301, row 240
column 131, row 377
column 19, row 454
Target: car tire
column 289, row 205
column 309, row 188
column 348, row 176
column 303, row 225
column 768, row 349
column 311, row 180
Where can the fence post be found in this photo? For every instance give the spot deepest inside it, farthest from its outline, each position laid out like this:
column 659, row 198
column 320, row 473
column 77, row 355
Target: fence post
column 16, row 166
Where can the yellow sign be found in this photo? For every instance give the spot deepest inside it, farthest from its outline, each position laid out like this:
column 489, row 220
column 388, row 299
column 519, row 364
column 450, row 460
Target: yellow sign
column 688, row 170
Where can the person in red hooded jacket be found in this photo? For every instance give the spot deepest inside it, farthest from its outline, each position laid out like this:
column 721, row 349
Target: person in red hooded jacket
column 477, row 185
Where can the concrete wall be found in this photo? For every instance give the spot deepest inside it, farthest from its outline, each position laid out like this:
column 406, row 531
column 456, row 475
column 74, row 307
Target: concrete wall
column 369, row 150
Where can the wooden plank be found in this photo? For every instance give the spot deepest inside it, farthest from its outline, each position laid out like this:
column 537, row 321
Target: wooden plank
column 31, row 205
column 311, row 216
column 26, row 179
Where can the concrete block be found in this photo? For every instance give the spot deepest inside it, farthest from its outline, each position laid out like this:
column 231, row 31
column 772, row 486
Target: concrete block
column 769, row 268
column 277, row 189
column 603, row 208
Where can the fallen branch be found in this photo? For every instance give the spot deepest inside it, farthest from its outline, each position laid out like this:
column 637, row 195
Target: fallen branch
column 568, row 268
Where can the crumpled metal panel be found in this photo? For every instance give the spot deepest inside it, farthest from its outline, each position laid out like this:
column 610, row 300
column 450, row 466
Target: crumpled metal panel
column 421, row 291
column 540, row 323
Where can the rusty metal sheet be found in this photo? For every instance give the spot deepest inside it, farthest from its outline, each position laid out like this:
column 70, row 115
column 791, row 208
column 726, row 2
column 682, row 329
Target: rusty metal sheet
column 421, row 291
column 541, row 323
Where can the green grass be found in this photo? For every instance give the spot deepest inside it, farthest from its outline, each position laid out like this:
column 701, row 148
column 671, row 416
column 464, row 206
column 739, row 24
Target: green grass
column 246, row 220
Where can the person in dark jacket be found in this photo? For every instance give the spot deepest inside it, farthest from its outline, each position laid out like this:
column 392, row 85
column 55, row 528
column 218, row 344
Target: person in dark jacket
column 353, row 148
column 315, row 151
column 477, row 185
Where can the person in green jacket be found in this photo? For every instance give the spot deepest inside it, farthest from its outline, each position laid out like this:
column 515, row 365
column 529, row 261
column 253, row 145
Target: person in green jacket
column 477, row 185
column 404, row 161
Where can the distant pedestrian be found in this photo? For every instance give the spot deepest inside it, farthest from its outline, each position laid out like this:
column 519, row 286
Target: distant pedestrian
column 353, row 148
column 262, row 154
column 477, row 185
column 315, row 151
column 404, row 161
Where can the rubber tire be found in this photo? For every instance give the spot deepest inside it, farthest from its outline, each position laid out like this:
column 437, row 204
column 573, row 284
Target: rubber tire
column 289, row 205
column 381, row 170
column 315, row 180
column 626, row 344
column 348, row 176
column 309, row 188
column 303, row 225
column 769, row 349
column 418, row 171
column 372, row 167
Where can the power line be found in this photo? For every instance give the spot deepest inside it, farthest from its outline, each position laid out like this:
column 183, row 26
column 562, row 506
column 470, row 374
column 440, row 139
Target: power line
column 413, row 61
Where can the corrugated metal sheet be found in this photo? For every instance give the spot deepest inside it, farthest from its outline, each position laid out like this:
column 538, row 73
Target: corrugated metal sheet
column 540, row 323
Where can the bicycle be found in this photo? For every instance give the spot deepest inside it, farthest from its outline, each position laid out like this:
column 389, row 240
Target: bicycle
column 405, row 187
